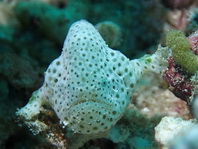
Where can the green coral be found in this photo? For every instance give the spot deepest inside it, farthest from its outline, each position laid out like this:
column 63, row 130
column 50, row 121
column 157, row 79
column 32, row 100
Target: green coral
column 180, row 47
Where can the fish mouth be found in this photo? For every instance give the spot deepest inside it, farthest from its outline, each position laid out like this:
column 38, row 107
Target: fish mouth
column 88, row 101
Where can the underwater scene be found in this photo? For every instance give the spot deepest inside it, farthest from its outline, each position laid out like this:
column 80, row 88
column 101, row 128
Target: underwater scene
column 98, row 74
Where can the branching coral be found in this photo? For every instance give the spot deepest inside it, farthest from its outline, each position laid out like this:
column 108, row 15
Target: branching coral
column 90, row 85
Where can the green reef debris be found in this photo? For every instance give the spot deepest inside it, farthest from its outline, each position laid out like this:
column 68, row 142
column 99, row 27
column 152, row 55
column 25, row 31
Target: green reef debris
column 178, row 42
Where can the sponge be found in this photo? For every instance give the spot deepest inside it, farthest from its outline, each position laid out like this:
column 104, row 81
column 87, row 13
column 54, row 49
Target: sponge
column 180, row 47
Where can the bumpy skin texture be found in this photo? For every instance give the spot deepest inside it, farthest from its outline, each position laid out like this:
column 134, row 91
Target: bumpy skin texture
column 92, row 92
column 90, row 85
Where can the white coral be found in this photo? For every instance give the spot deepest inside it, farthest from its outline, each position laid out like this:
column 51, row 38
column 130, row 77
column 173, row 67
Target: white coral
column 169, row 128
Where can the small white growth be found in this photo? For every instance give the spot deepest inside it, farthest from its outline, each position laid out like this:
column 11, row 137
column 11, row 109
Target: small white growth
column 90, row 85
column 169, row 128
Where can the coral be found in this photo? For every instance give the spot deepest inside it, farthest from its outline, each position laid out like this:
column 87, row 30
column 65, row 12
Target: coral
column 176, row 19
column 19, row 75
column 192, row 25
column 183, row 65
column 20, row 72
column 195, row 96
column 141, row 23
column 141, row 129
column 89, row 85
column 111, row 32
column 186, row 139
column 4, row 90
column 151, row 96
column 169, row 128
column 125, row 134
column 53, row 22
column 58, row 3
column 180, row 47
column 7, row 16
column 51, row 19
column 179, row 84
column 193, row 39
column 195, row 105
column 31, row 36
column 177, row 4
